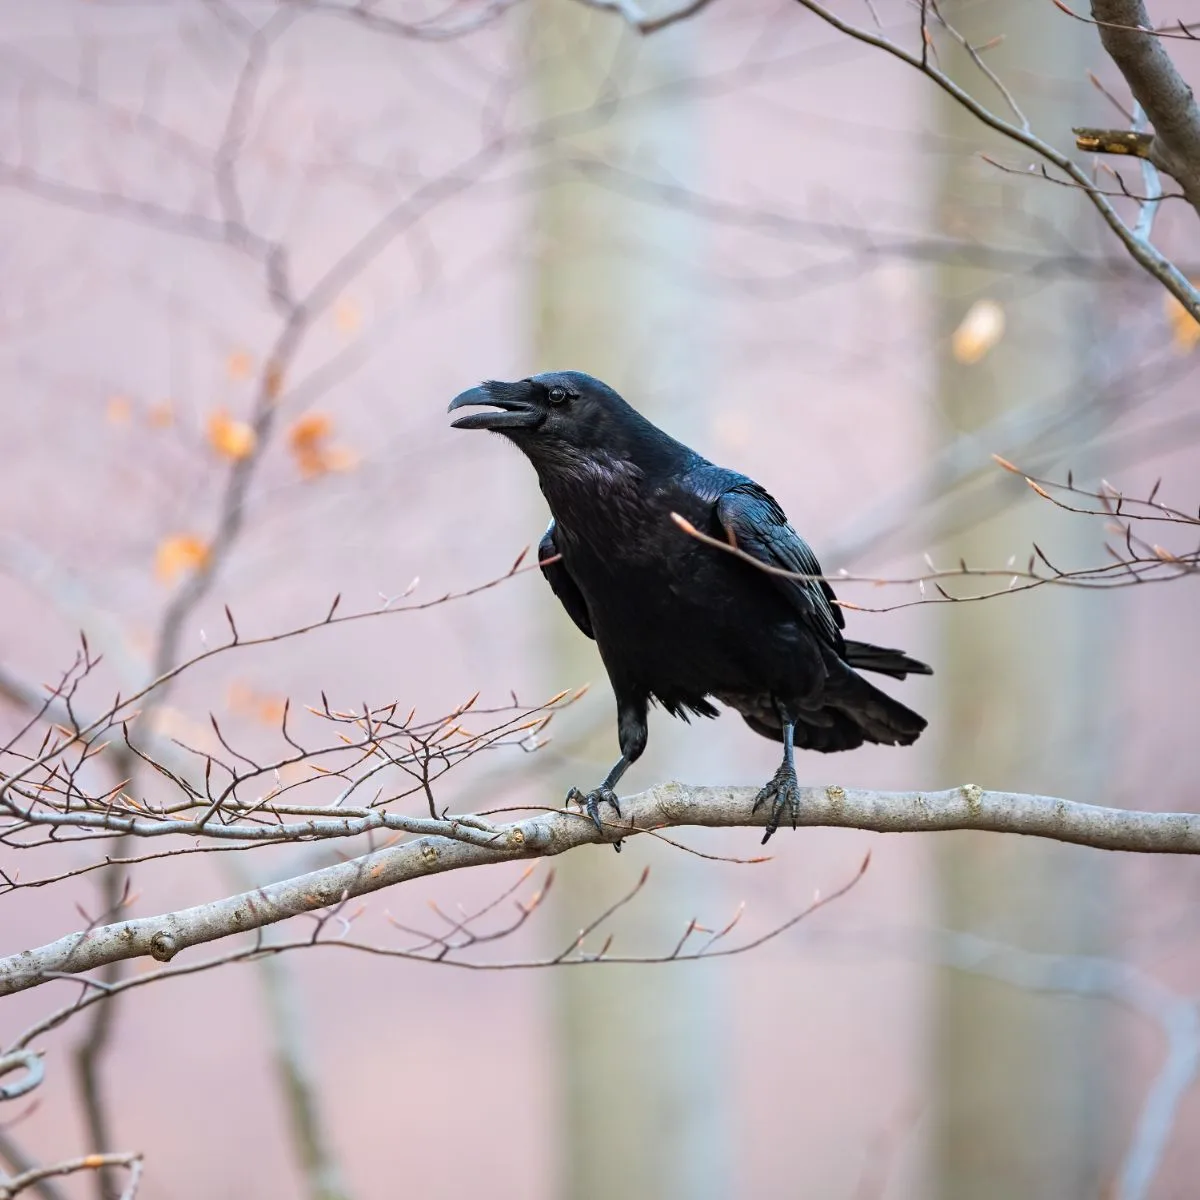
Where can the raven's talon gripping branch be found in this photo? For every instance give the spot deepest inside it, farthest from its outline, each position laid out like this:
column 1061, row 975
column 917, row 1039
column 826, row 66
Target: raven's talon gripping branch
column 591, row 802
column 784, row 790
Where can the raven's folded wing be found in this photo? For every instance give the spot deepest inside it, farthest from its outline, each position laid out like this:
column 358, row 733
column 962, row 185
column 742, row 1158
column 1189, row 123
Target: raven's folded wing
column 755, row 523
column 561, row 583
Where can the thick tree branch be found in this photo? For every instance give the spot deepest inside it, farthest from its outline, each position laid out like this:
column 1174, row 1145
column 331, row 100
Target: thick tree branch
column 1141, row 57
column 554, row 832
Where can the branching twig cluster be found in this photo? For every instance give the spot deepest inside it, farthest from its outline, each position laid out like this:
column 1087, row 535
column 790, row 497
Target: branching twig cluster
column 361, row 763
column 1134, row 556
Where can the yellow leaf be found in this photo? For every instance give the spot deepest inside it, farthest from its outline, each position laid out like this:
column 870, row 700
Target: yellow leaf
column 239, row 365
column 978, row 332
column 229, row 437
column 346, row 316
column 118, row 410
column 179, row 552
column 1185, row 329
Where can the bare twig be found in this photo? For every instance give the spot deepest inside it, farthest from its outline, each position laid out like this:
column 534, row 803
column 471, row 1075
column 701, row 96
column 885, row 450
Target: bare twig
column 19, row 1163
column 1151, row 259
column 11, row 1186
column 642, row 22
column 20, row 1060
column 1125, row 985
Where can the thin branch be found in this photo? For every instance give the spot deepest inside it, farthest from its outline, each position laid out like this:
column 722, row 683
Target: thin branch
column 642, row 22
column 1082, row 975
column 1150, row 258
column 1151, row 185
column 13, row 1185
column 21, row 1060
column 432, row 30
column 20, row 1162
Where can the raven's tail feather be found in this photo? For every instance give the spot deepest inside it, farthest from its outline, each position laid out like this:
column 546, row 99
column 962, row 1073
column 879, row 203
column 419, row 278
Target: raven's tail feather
column 895, row 663
column 855, row 712
column 882, row 718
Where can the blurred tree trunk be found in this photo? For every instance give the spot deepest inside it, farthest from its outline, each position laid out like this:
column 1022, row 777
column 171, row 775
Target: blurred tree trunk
column 640, row 1050
column 1020, row 1091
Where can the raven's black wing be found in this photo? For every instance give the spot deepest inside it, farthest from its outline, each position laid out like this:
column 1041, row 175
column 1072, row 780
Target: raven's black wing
column 754, row 522
column 561, row 583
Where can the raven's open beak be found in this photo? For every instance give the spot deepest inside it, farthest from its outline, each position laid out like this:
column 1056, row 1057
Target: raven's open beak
column 513, row 408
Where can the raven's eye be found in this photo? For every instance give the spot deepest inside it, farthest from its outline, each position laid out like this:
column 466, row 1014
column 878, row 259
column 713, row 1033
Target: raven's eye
column 557, row 395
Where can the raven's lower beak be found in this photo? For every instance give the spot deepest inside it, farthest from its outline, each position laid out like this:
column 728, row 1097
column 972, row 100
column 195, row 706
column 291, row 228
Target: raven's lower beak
column 509, row 411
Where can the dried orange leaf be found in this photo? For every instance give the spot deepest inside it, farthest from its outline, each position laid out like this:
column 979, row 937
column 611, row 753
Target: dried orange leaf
column 308, row 440
column 978, row 332
column 1185, row 329
column 180, row 552
column 229, row 437
column 311, row 463
column 1007, row 465
column 309, row 431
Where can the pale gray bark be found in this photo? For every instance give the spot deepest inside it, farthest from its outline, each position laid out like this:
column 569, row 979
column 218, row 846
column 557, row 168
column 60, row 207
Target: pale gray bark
column 668, row 805
column 1157, row 85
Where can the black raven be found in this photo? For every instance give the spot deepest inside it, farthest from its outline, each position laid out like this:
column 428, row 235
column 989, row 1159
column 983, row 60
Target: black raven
column 678, row 621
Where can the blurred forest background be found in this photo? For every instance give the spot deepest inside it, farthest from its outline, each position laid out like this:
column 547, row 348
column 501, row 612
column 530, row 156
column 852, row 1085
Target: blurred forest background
column 249, row 253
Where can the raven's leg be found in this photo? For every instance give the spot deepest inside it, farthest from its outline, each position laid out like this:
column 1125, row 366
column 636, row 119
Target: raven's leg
column 631, row 732
column 784, row 788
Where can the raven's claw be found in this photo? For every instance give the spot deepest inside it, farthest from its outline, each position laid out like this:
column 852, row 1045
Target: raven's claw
column 591, row 802
column 784, row 790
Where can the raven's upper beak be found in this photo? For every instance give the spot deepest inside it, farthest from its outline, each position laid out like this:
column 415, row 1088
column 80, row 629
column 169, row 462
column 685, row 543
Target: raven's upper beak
column 514, row 402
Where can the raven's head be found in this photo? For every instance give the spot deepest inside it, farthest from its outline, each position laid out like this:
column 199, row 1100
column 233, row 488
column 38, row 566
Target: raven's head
column 560, row 413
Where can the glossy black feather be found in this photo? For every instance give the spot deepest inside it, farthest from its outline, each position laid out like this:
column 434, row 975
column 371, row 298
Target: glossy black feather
column 561, row 583
column 677, row 621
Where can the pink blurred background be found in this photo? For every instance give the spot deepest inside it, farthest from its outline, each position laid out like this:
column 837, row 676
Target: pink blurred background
column 817, row 362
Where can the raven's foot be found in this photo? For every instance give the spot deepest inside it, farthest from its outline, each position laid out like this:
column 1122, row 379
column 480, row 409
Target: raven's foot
column 591, row 802
column 784, row 792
